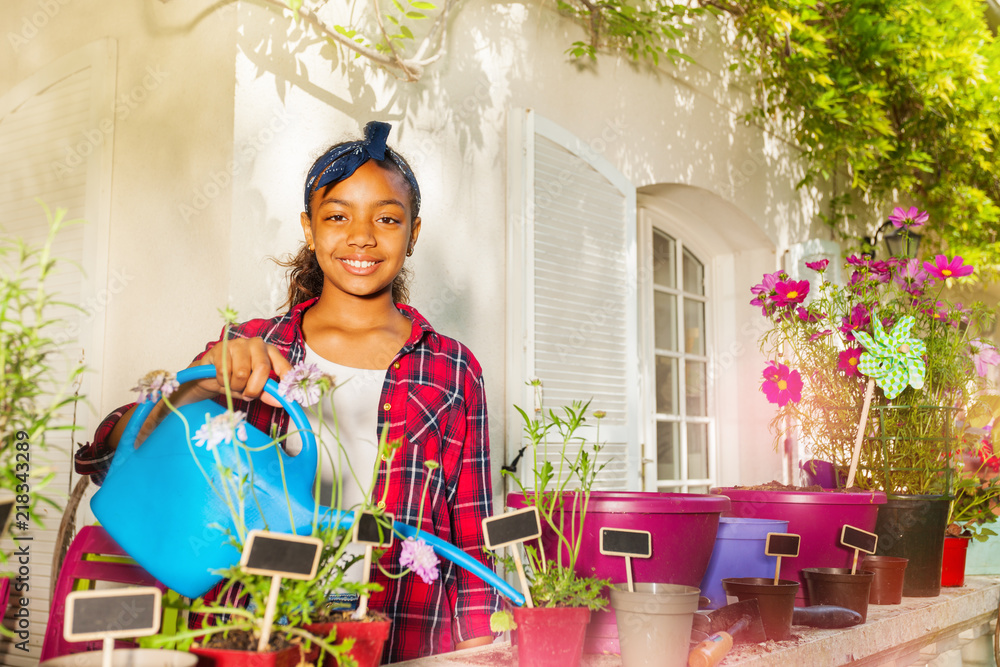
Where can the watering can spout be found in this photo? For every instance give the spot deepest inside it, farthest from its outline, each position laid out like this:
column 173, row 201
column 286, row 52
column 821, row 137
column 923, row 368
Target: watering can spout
column 172, row 505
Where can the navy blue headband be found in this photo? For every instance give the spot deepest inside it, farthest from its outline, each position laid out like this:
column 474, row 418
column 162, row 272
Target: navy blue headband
column 343, row 160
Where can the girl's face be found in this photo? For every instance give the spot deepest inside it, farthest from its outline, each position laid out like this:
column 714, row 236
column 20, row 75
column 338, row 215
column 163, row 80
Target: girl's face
column 361, row 230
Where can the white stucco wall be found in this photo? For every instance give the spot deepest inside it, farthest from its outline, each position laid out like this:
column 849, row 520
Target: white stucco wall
column 656, row 127
column 172, row 129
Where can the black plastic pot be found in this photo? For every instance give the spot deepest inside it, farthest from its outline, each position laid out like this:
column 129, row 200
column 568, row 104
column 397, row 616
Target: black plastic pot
column 838, row 587
column 912, row 527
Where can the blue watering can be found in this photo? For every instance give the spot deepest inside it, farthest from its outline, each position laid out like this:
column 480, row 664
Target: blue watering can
column 158, row 504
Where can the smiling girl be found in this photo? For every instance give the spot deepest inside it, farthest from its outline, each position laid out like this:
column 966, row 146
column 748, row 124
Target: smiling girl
column 347, row 314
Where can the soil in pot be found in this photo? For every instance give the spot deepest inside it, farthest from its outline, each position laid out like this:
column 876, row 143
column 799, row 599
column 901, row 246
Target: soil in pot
column 238, row 648
column 838, row 587
column 550, row 636
column 654, row 623
column 129, row 657
column 953, row 561
column 369, row 634
column 887, row 584
column 913, row 527
column 776, row 601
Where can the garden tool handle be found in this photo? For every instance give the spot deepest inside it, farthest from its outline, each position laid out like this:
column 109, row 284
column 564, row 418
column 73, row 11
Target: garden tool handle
column 127, row 443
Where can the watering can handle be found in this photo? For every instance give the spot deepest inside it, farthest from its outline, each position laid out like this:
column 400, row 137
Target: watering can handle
column 127, row 444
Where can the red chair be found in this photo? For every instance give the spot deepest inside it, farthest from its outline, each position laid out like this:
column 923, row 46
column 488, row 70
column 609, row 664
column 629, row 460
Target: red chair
column 80, row 565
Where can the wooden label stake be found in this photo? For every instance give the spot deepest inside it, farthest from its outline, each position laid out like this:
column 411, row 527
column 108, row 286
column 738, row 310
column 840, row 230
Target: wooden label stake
column 781, row 545
column 628, row 543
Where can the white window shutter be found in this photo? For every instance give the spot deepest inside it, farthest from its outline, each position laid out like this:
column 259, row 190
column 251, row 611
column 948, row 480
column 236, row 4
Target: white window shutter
column 57, row 149
column 572, row 309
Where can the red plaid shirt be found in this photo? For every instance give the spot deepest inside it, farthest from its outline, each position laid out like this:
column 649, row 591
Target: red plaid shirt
column 434, row 401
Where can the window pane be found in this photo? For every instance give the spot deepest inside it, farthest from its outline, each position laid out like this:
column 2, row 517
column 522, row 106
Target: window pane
column 694, row 274
column 667, row 455
column 666, row 385
column 664, row 254
column 694, row 327
column 697, row 489
column 697, row 446
column 665, row 321
column 694, row 387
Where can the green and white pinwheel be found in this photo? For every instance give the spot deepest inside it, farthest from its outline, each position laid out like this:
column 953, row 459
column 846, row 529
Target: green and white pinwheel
column 895, row 359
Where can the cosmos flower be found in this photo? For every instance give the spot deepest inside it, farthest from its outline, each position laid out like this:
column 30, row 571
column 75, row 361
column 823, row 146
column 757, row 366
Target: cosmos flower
column 220, row 429
column 849, row 360
column 984, row 355
column 858, row 319
column 420, row 558
column 908, row 219
column 819, row 266
column 912, row 277
column 791, row 292
column 943, row 268
column 156, row 385
column 781, row 384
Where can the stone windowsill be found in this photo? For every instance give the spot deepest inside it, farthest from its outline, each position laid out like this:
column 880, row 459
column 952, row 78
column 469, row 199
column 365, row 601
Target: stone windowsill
column 894, row 635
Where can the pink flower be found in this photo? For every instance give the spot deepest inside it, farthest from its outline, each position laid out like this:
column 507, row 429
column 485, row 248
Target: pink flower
column 858, row 319
column 805, row 316
column 909, row 218
column 912, row 278
column 790, row 292
column 937, row 312
column 420, row 558
column 984, row 355
column 819, row 266
column 849, row 360
column 944, row 268
column 781, row 384
column 819, row 334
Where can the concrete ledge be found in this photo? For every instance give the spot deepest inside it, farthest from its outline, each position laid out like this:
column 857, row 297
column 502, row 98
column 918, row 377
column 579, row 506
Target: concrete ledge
column 911, row 633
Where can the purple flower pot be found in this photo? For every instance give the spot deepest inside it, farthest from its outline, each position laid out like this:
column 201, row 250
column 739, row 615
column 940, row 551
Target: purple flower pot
column 682, row 527
column 739, row 552
column 817, row 517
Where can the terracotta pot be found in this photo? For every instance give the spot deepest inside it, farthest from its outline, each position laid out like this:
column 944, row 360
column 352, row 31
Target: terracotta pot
column 887, row 584
column 221, row 657
column 550, row 636
column 838, row 587
column 369, row 639
column 129, row 657
column 953, row 561
column 777, row 602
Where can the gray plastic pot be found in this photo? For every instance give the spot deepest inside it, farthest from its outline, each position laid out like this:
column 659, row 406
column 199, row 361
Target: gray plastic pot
column 654, row 623
column 137, row 657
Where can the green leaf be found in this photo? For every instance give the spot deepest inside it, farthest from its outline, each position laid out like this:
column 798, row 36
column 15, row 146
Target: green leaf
column 423, row 5
column 415, row 15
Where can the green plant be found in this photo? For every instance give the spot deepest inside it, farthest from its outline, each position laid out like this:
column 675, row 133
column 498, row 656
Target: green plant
column 38, row 382
column 818, row 356
column 563, row 474
column 977, row 483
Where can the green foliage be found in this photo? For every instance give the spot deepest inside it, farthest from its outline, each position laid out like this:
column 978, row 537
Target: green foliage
column 910, row 447
column 902, row 95
column 561, row 492
column 38, row 382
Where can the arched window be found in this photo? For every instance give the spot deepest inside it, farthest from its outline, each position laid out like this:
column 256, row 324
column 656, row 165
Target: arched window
column 683, row 422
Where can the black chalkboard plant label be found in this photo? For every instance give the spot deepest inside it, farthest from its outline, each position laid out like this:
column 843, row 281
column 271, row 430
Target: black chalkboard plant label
column 108, row 614
column 782, row 545
column 628, row 543
column 371, row 532
column 510, row 529
column 859, row 540
column 278, row 556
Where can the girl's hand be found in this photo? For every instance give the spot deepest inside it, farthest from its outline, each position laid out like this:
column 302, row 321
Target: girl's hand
column 248, row 362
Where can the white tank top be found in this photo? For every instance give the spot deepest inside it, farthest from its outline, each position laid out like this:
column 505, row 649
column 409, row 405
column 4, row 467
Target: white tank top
column 355, row 401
